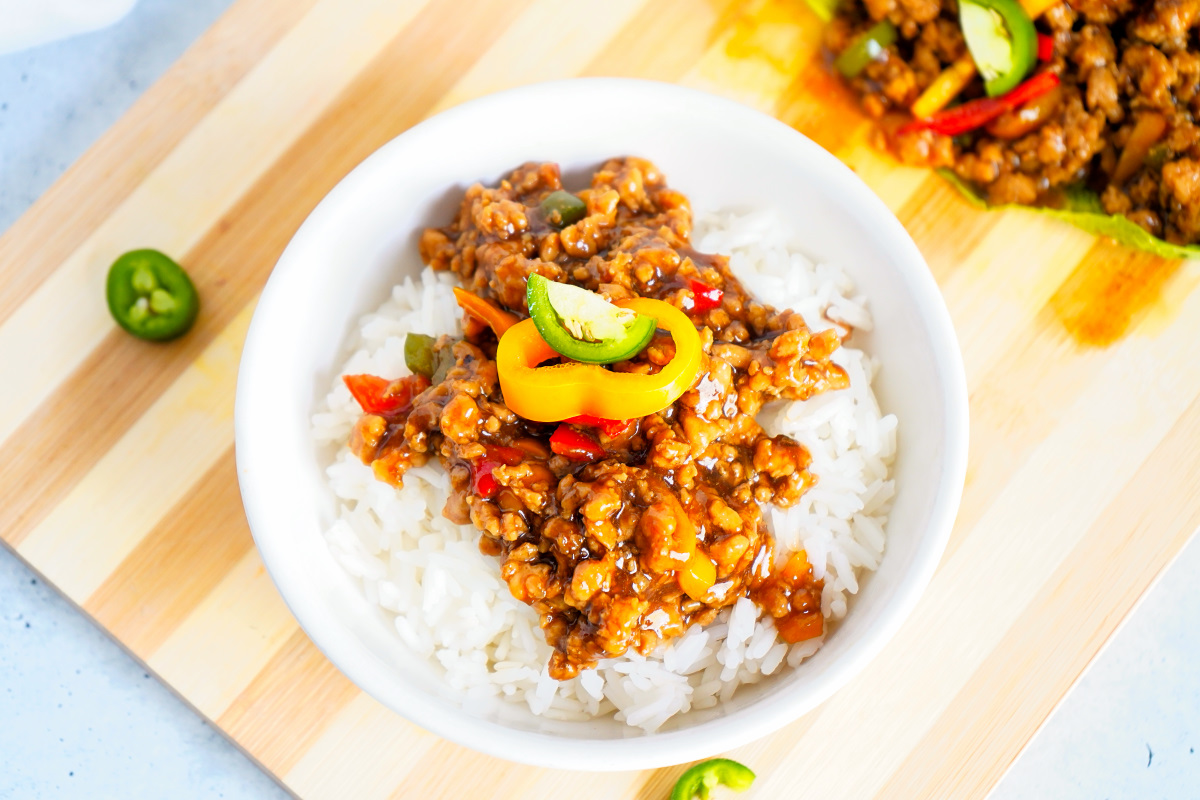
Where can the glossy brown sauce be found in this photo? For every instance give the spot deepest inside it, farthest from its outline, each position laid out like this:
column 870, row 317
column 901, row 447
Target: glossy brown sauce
column 596, row 546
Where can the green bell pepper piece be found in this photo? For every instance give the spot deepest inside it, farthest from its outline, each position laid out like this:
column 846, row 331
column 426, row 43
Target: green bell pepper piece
column 562, row 209
column 865, row 48
column 699, row 781
column 418, row 354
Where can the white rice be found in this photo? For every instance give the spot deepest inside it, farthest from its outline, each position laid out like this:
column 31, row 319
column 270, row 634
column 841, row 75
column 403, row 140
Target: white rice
column 447, row 600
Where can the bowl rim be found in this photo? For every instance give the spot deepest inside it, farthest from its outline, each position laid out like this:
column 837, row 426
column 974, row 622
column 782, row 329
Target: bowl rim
column 670, row 747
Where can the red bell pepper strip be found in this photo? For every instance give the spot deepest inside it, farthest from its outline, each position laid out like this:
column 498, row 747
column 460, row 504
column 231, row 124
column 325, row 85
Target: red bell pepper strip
column 483, row 482
column 704, row 297
column 611, row 428
column 570, row 443
column 976, row 113
column 377, row 395
column 1045, row 47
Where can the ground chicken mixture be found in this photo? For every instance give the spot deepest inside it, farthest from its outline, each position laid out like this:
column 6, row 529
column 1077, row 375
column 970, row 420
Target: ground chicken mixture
column 592, row 541
column 1121, row 122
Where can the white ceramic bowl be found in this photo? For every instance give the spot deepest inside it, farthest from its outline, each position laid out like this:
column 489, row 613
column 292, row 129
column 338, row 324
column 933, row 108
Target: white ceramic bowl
column 362, row 239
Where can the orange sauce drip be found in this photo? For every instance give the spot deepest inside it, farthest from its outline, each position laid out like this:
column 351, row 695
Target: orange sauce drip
column 1110, row 289
column 820, row 105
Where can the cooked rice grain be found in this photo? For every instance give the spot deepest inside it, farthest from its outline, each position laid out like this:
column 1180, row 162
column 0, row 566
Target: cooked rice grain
column 446, row 599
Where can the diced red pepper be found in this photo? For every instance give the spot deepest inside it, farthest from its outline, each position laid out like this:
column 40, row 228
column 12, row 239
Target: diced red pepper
column 612, row 428
column 570, row 443
column 483, row 482
column 704, row 297
column 976, row 113
column 799, row 627
column 1045, row 47
column 377, row 395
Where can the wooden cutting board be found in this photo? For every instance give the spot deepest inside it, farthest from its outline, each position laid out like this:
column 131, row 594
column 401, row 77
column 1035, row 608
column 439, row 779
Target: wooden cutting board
column 118, row 482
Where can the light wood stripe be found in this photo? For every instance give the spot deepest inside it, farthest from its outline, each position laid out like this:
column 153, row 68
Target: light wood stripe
column 380, row 737
column 999, row 289
column 757, row 56
column 1071, row 436
column 525, row 54
column 493, row 777
column 232, row 261
column 298, row 691
column 1007, row 418
column 982, row 589
column 637, row 51
column 944, row 226
column 52, row 332
column 214, row 654
column 1099, row 583
column 141, row 477
column 62, row 219
column 176, row 565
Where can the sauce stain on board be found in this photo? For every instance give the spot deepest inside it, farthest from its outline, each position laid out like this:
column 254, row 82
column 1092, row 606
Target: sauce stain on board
column 756, row 49
column 771, row 31
column 819, row 105
column 1109, row 290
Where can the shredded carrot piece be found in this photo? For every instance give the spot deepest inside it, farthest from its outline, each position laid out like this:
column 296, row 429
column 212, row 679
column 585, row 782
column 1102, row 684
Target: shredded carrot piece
column 476, row 306
column 798, row 627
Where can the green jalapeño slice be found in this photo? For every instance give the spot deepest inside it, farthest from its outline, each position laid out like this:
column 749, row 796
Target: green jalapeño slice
column 699, row 781
column 1002, row 41
column 150, row 296
column 582, row 325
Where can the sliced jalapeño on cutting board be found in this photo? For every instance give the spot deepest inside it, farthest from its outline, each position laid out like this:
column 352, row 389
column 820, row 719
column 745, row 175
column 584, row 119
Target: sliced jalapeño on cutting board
column 150, row 296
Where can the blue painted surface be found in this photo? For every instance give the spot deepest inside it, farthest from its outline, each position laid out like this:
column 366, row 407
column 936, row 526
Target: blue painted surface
column 57, row 99
column 80, row 719
column 1131, row 727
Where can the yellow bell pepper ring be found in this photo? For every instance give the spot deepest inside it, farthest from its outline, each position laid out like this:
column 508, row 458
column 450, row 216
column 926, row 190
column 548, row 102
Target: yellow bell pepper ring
column 554, row 393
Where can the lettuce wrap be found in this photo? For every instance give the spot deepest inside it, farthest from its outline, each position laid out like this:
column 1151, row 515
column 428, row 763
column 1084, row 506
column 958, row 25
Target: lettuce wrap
column 1083, row 210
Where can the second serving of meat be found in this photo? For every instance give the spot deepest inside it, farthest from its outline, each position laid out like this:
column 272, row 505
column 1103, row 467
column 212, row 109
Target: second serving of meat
column 1028, row 101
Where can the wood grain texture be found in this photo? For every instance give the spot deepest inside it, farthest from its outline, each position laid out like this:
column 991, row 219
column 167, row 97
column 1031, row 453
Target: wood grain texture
column 1083, row 364
column 114, row 167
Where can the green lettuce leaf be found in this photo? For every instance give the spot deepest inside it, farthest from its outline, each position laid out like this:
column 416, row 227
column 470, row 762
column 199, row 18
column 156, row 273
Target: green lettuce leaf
column 823, row 8
column 1083, row 210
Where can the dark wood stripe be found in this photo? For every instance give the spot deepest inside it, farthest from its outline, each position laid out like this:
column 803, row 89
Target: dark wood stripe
column 119, row 161
column 488, row 777
column 231, row 263
column 299, row 692
column 171, row 570
column 1019, row 684
column 946, row 228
